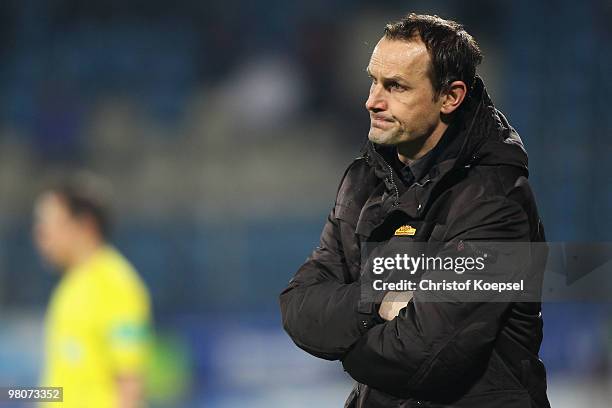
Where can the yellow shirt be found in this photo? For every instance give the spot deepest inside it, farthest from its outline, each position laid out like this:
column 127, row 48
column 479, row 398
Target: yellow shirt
column 97, row 329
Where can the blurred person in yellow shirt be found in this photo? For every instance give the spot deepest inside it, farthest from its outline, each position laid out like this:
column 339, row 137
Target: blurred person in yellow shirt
column 98, row 319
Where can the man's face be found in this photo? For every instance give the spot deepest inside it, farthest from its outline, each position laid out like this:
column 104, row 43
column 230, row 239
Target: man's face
column 55, row 230
column 401, row 100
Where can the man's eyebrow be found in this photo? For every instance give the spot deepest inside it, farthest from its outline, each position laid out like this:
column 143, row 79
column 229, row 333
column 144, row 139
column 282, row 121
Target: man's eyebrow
column 396, row 78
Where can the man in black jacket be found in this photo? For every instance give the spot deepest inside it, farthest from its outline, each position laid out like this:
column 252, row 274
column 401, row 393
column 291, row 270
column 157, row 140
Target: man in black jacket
column 442, row 167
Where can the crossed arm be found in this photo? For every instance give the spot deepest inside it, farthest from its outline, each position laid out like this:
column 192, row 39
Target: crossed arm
column 416, row 344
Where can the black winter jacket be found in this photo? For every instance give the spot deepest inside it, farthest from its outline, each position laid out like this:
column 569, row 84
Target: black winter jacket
column 434, row 354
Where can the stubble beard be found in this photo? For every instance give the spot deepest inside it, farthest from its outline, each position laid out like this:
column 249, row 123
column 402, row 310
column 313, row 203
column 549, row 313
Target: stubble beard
column 387, row 137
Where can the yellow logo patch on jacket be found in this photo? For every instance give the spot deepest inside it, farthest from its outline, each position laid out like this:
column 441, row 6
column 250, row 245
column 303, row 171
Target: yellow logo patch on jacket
column 405, row 230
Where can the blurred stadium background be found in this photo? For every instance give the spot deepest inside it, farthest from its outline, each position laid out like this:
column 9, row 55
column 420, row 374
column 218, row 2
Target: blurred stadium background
column 225, row 127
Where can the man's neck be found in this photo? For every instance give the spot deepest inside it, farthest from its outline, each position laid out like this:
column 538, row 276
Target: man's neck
column 84, row 251
column 413, row 150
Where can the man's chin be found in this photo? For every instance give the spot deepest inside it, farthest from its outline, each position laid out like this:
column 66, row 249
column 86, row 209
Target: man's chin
column 381, row 137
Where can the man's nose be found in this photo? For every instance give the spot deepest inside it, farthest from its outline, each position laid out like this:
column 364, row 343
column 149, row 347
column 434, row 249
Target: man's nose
column 376, row 101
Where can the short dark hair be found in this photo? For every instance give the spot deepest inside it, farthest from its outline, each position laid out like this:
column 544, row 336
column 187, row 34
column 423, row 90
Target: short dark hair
column 86, row 194
column 454, row 53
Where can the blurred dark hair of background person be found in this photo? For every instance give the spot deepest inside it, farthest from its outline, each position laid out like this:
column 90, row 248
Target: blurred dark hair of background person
column 72, row 219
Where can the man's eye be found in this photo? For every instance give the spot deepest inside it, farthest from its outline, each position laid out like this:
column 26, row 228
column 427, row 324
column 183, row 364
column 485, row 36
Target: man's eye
column 394, row 86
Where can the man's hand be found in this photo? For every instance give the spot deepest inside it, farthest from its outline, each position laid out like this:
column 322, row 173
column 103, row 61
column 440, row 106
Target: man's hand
column 392, row 303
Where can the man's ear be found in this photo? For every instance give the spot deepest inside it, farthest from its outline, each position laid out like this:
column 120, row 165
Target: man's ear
column 452, row 98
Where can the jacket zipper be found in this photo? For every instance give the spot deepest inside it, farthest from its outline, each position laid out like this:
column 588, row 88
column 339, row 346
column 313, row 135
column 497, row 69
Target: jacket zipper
column 396, row 201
